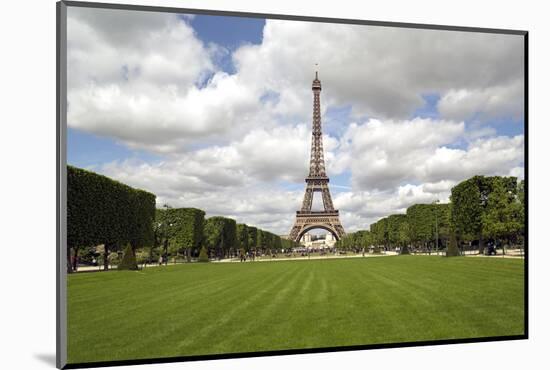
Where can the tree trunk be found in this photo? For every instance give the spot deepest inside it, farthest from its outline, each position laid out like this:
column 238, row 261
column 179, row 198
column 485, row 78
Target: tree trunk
column 106, row 257
column 188, row 254
column 75, row 259
column 69, row 264
column 165, row 257
column 481, row 245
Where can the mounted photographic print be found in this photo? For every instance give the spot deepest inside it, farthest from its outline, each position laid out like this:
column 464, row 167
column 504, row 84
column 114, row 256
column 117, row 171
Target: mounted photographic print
column 236, row 185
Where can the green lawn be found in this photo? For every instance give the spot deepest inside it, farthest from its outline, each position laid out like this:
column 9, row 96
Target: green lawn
column 193, row 309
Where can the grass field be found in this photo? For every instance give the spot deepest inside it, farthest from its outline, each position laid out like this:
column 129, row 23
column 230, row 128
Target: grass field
column 194, row 309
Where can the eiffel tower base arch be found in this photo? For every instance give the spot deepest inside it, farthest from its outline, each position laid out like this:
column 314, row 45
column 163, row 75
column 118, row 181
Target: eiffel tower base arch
column 306, row 221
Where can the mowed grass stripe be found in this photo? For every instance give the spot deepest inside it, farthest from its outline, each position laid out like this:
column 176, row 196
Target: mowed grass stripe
column 194, row 309
column 231, row 313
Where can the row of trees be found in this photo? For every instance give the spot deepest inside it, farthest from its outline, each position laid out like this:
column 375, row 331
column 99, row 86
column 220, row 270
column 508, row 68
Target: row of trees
column 480, row 208
column 101, row 211
column 185, row 231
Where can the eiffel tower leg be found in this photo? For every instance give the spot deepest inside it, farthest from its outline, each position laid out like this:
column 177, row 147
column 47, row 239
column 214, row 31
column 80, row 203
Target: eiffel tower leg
column 327, row 199
column 295, row 232
column 308, row 199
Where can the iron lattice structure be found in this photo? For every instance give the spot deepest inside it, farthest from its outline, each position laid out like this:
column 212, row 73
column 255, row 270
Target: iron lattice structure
column 317, row 181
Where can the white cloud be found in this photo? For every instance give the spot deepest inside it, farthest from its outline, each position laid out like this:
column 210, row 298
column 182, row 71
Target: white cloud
column 140, row 77
column 385, row 154
column 380, row 71
column 142, row 88
column 230, row 144
column 494, row 156
column 484, row 103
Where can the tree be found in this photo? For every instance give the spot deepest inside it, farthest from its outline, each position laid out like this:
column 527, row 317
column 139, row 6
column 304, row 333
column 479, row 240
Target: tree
column 395, row 235
column 421, row 220
column 261, row 239
column 405, row 236
column 467, row 210
column 161, row 232
column 188, row 228
column 470, row 202
column 242, row 236
column 502, row 217
column 220, row 234
column 442, row 222
column 252, row 237
column 104, row 211
column 380, row 232
column 519, row 208
column 142, row 215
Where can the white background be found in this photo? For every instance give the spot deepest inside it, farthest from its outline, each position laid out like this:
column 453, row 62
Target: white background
column 27, row 145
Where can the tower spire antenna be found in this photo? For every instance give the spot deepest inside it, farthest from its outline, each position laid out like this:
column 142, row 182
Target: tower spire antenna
column 316, row 70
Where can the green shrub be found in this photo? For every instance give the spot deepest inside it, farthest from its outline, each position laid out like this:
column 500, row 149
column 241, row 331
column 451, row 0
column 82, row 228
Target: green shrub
column 142, row 256
column 405, row 249
column 203, row 255
column 113, row 258
column 128, row 260
column 452, row 249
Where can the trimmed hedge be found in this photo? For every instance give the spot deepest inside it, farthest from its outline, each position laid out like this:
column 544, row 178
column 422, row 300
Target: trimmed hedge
column 394, row 226
column 242, row 236
column 220, row 233
column 185, row 228
column 104, row 211
column 252, row 236
column 142, row 216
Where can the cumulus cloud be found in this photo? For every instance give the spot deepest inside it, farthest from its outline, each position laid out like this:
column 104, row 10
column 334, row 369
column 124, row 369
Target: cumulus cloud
column 380, row 71
column 147, row 80
column 233, row 144
column 484, row 103
column 139, row 76
column 383, row 155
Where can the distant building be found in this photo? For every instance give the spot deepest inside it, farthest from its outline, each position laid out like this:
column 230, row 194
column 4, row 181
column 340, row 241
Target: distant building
column 318, row 241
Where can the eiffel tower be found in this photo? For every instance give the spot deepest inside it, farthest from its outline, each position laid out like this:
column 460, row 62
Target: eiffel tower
column 317, row 181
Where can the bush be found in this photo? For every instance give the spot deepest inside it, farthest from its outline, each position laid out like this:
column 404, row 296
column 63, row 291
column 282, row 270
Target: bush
column 142, row 256
column 128, row 260
column 113, row 258
column 405, row 249
column 203, row 255
column 452, row 249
